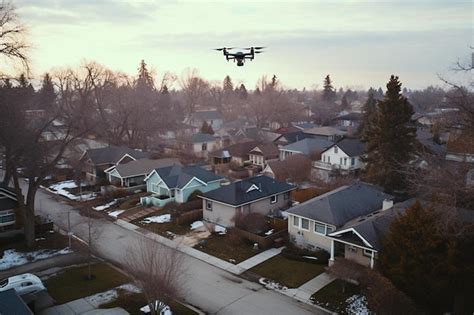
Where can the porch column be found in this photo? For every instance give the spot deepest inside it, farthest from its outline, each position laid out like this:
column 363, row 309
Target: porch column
column 372, row 260
column 121, row 181
column 331, row 259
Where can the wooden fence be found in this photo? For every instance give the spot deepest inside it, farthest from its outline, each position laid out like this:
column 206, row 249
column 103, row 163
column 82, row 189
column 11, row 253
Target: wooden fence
column 302, row 195
column 263, row 242
column 189, row 217
column 278, row 224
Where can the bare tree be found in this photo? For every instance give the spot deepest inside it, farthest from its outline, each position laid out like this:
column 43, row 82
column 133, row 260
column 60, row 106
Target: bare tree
column 12, row 43
column 158, row 271
column 194, row 88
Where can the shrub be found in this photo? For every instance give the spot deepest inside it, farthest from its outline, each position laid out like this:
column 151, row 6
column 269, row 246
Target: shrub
column 295, row 253
column 194, row 195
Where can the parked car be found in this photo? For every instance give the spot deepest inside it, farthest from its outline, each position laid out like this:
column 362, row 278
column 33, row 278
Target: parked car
column 26, row 283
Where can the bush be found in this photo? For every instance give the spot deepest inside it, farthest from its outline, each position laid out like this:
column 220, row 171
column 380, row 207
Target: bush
column 295, row 253
column 190, row 205
column 194, row 195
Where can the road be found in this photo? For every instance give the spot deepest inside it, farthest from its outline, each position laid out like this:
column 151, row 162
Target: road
column 207, row 287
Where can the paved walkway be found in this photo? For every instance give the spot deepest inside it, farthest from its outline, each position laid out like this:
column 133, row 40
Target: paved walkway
column 305, row 291
column 81, row 307
column 260, row 258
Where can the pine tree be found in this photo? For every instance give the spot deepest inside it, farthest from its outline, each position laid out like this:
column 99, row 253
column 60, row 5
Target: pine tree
column 368, row 110
column 329, row 94
column 46, row 95
column 144, row 80
column 228, row 86
column 207, row 128
column 390, row 140
column 243, row 94
column 344, row 103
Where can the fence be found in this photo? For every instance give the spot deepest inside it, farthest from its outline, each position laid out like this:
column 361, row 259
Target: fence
column 278, row 224
column 302, row 195
column 189, row 217
column 262, row 241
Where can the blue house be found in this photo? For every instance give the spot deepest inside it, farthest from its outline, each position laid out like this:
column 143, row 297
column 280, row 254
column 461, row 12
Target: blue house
column 177, row 183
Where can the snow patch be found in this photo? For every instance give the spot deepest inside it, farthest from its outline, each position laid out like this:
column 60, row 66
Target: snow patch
column 357, row 304
column 310, row 257
column 157, row 219
column 284, row 214
column 60, row 189
column 220, row 230
column 116, row 213
column 165, row 309
column 196, row 225
column 106, row 206
column 272, row 285
column 110, row 295
column 12, row 258
column 269, row 232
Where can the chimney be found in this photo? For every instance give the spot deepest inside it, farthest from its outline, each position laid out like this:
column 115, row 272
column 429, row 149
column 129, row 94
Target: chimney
column 387, row 204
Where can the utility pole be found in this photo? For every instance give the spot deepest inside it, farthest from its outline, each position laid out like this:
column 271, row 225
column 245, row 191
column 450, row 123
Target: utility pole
column 69, row 233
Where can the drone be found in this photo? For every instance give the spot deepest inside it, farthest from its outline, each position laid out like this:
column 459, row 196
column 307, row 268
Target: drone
column 240, row 56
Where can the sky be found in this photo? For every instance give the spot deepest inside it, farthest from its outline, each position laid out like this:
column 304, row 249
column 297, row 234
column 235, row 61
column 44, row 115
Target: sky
column 359, row 43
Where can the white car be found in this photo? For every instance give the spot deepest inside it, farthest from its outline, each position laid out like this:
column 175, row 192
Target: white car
column 26, row 283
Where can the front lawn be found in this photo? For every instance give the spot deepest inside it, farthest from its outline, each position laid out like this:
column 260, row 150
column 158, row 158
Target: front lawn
column 288, row 272
column 163, row 228
column 222, row 247
column 337, row 296
column 70, row 284
column 132, row 302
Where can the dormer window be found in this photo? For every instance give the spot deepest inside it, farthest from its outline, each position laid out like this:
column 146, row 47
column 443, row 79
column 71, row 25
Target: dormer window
column 253, row 187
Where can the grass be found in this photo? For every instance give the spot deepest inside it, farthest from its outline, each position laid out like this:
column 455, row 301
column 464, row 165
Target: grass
column 51, row 241
column 162, row 228
column 288, row 272
column 132, row 302
column 220, row 246
column 332, row 296
column 71, row 284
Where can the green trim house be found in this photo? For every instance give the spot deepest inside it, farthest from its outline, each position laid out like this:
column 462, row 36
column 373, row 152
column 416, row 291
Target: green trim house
column 176, row 183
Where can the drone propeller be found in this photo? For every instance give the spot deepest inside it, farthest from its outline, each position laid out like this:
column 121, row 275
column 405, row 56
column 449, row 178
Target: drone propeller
column 221, row 49
column 259, row 52
column 255, row 48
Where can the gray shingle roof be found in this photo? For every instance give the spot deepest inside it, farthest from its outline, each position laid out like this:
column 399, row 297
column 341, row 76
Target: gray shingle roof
column 341, row 205
column 325, row 131
column 178, row 176
column 202, row 137
column 352, row 147
column 308, row 146
column 11, row 303
column 111, row 154
column 144, row 166
column 7, row 198
column 241, row 149
column 236, row 193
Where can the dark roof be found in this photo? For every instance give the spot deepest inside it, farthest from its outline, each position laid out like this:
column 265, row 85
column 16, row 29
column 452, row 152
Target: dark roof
column 112, row 154
column 341, row 205
column 308, row 146
column 207, row 114
column 241, row 149
column 325, row 131
column 8, row 199
column 177, row 176
column 426, row 139
column 268, row 150
column 285, row 130
column 248, row 190
column 350, row 116
column 202, row 137
column 144, row 166
column 352, row 147
column 11, row 303
column 293, row 137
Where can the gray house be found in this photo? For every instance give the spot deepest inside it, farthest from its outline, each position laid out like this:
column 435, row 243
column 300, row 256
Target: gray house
column 306, row 146
column 260, row 194
column 310, row 222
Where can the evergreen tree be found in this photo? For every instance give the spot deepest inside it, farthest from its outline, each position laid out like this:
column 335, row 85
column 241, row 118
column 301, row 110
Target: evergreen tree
column 368, row 111
column 46, row 95
column 243, row 94
column 344, row 103
column 144, row 80
column 207, row 128
column 391, row 140
column 329, row 94
column 26, row 92
column 228, row 86
column 379, row 94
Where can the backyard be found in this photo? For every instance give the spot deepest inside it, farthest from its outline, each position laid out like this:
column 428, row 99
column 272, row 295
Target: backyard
column 288, row 272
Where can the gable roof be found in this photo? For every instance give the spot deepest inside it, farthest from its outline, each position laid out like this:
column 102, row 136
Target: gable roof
column 280, row 168
column 268, row 150
column 177, row 176
column 350, row 146
column 238, row 149
column 111, row 154
column 142, row 166
column 248, row 190
column 343, row 204
column 8, row 199
column 308, row 146
column 11, row 303
column 202, row 137
column 325, row 131
column 292, row 137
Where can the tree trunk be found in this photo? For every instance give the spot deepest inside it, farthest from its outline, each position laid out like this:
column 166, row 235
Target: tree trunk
column 30, row 214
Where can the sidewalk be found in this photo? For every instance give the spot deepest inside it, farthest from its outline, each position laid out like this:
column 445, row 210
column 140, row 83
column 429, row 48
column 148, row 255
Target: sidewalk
column 81, row 307
column 305, row 291
column 260, row 258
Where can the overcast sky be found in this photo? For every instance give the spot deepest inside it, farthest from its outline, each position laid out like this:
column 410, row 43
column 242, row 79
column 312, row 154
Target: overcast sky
column 360, row 43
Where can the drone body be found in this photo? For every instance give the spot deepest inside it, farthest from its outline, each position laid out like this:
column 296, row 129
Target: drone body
column 240, row 56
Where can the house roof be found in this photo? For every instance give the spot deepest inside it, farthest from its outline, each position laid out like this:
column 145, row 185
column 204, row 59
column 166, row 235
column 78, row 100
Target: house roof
column 308, row 146
column 341, row 205
column 426, row 139
column 7, row 198
column 268, row 150
column 11, row 303
column 241, row 149
column 142, row 166
column 206, row 115
column 280, row 168
column 350, row 116
column 248, row 190
column 178, row 176
column 285, row 130
column 461, row 143
column 293, row 137
column 325, row 131
column 111, row 154
column 350, row 146
column 304, row 126
column 202, row 137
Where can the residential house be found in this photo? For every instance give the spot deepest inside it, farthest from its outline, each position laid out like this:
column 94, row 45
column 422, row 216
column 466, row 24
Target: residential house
column 262, row 154
column 211, row 117
column 308, row 147
column 305, row 126
column 96, row 161
column 260, row 194
column 327, row 133
column 8, row 205
column 290, row 137
column 132, row 174
column 236, row 153
column 460, row 147
column 310, row 222
column 12, row 303
column 201, row 144
column 289, row 169
column 177, row 183
column 343, row 156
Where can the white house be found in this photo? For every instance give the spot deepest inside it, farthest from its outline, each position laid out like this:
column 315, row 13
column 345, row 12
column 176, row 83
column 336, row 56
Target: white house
column 211, row 117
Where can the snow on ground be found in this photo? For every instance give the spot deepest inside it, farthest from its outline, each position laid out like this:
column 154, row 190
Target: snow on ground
column 284, row 214
column 106, row 206
column 269, row 232
column 310, row 257
column 270, row 284
column 60, row 189
column 12, row 258
column 110, row 295
column 220, row 230
column 63, row 185
column 165, row 309
column 116, row 213
column 196, row 225
column 357, row 304
column 157, row 219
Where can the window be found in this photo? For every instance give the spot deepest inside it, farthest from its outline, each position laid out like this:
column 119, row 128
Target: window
column 340, row 161
column 305, row 224
column 296, row 221
column 320, row 228
column 204, row 147
column 273, row 199
column 367, row 252
column 7, row 218
column 329, row 159
column 335, row 149
column 345, row 161
column 353, row 161
column 208, row 205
